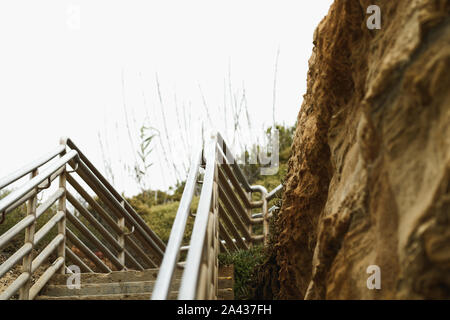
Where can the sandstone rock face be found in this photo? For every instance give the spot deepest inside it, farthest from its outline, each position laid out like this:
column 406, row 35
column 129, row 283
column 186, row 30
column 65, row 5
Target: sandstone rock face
column 369, row 175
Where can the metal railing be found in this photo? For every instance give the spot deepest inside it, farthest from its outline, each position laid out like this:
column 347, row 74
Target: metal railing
column 108, row 225
column 108, row 234
column 223, row 222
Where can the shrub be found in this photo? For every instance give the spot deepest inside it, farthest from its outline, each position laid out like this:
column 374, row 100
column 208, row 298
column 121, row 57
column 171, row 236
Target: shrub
column 160, row 217
column 245, row 262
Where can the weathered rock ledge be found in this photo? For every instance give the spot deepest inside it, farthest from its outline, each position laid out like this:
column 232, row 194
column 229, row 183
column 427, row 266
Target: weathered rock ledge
column 369, row 174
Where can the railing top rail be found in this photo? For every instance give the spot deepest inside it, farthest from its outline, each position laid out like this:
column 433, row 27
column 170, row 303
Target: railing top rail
column 272, row 193
column 151, row 246
column 191, row 270
column 116, row 205
column 168, row 265
column 31, row 166
column 161, row 245
column 216, row 153
column 230, row 158
column 33, row 183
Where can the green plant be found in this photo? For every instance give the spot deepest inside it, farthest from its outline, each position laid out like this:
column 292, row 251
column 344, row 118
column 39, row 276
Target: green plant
column 245, row 262
column 147, row 133
column 160, row 217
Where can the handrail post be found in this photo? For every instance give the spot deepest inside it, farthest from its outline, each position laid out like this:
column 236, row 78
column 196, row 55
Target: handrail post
column 265, row 212
column 216, row 243
column 29, row 238
column 249, row 212
column 62, row 222
column 121, row 238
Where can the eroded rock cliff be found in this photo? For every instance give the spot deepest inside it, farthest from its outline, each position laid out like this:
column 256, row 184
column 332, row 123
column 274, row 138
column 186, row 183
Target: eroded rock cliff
column 369, row 175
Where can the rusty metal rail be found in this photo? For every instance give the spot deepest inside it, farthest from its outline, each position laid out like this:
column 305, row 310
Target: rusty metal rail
column 224, row 221
column 108, row 236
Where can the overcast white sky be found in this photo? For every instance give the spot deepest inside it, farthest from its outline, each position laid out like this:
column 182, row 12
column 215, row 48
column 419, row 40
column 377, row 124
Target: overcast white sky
column 62, row 62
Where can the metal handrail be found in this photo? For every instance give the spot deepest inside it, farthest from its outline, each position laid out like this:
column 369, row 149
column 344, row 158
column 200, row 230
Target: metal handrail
column 221, row 209
column 34, row 182
column 30, row 167
column 170, row 260
column 188, row 285
column 129, row 243
column 274, row 192
column 105, row 195
column 34, row 191
column 29, row 219
column 132, row 215
column 229, row 156
column 223, row 221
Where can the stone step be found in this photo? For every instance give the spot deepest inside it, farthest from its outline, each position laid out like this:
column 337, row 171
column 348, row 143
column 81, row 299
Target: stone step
column 226, row 283
column 225, row 294
column 115, row 276
column 125, row 285
column 133, row 296
column 226, row 271
column 104, row 288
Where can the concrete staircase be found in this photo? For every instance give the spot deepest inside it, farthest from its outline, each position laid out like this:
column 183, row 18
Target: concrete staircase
column 110, row 235
column 124, row 285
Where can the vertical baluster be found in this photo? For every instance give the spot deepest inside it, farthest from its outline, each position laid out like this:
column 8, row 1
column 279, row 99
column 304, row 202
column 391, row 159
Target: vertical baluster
column 62, row 222
column 215, row 211
column 250, row 226
column 203, row 272
column 29, row 238
column 121, row 238
column 265, row 212
column 208, row 262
